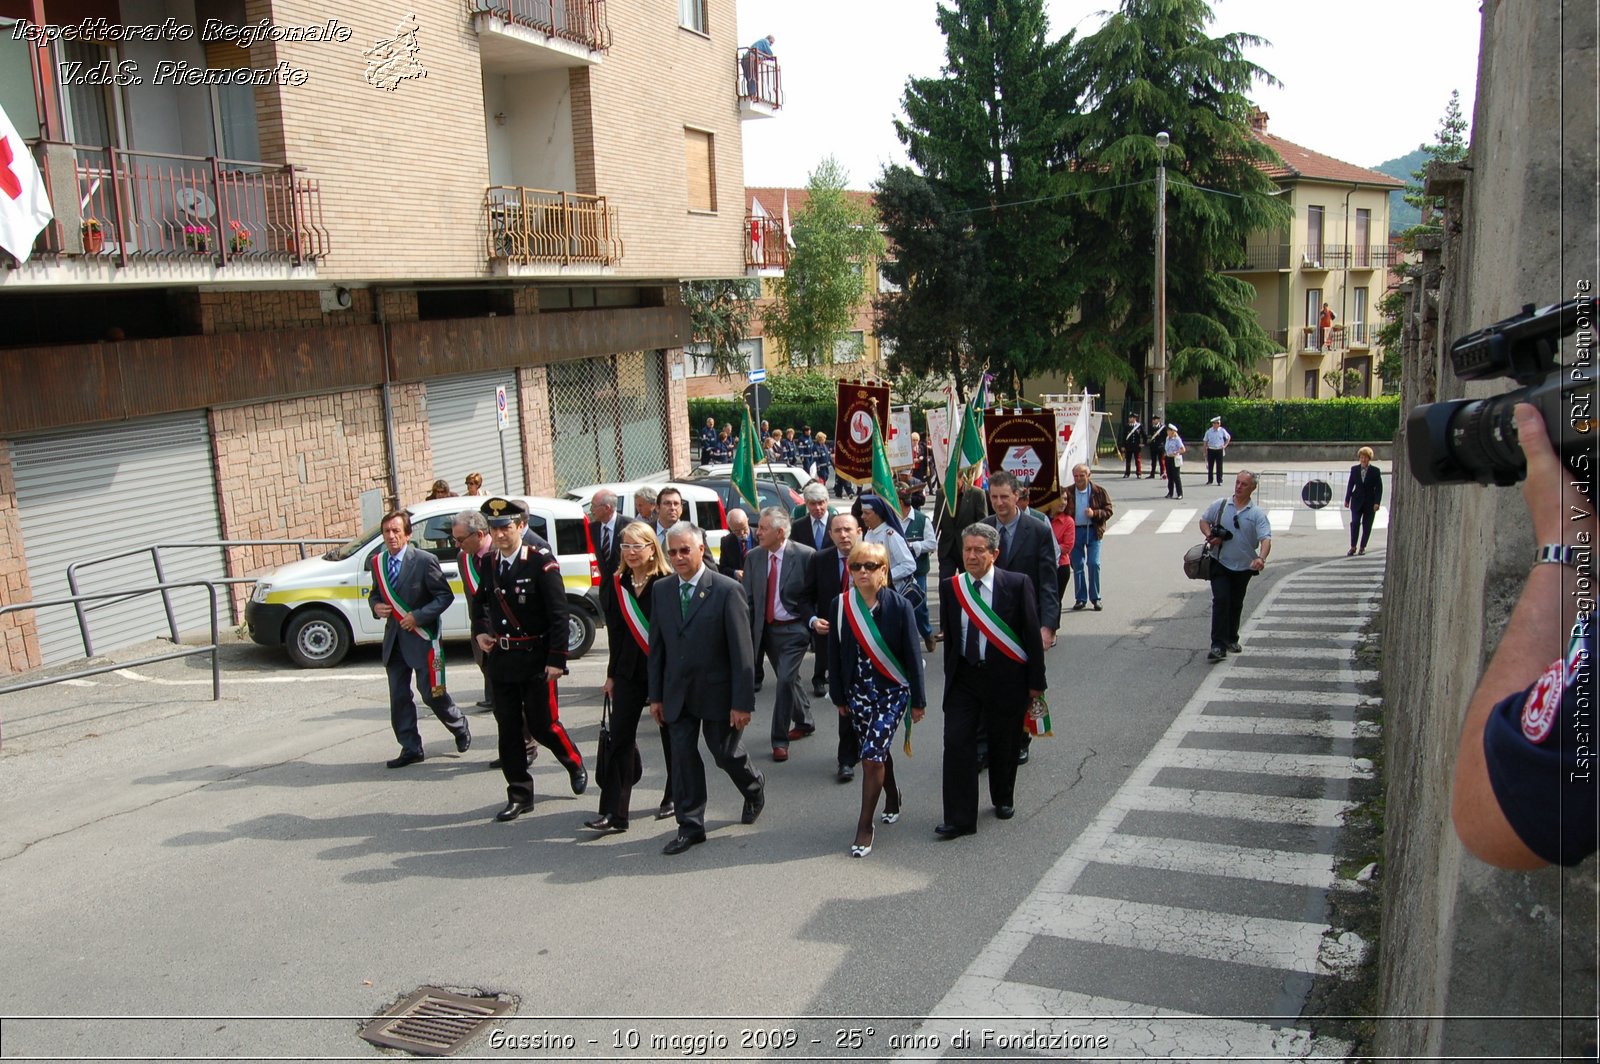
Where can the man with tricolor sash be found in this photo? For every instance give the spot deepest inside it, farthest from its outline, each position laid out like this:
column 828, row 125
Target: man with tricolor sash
column 410, row 594
column 994, row 669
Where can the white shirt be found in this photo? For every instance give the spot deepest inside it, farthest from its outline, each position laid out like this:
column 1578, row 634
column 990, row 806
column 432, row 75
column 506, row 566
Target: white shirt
column 986, row 593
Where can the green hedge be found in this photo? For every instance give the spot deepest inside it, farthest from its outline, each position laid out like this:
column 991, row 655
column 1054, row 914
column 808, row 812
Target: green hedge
column 1347, row 420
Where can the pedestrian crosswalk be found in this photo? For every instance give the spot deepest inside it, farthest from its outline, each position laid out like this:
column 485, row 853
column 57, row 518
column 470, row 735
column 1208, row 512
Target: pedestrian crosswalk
column 1188, row 921
column 1284, row 520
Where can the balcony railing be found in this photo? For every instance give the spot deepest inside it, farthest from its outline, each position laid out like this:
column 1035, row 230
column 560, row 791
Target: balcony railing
column 580, row 21
column 528, row 226
column 1260, row 257
column 129, row 205
column 758, row 78
column 764, row 245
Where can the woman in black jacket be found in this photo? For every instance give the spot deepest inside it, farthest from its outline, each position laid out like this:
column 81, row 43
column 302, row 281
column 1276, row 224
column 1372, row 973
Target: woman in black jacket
column 627, row 671
column 874, row 673
column 1362, row 497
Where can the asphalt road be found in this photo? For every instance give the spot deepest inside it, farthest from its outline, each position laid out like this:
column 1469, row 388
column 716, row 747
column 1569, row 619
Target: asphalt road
column 252, row 861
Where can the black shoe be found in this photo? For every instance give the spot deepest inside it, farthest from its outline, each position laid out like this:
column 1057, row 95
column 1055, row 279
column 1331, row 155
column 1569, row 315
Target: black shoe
column 1097, row 605
column 1005, row 812
column 753, row 804
column 1235, row 648
column 847, row 773
column 681, row 843
column 618, row 824
column 580, row 779
column 403, row 760
column 513, row 810
column 1217, row 654
column 464, row 741
column 667, row 809
column 950, row 831
column 1022, row 756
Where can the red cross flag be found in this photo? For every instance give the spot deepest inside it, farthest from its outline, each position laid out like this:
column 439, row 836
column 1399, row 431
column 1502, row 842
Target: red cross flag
column 24, row 204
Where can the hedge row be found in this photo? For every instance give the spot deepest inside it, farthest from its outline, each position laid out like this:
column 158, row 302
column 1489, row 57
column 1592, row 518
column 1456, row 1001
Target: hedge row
column 1301, row 420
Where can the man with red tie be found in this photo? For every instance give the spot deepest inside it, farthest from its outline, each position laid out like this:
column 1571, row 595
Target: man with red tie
column 829, row 578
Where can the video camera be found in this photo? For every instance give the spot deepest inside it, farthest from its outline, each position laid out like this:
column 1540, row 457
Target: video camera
column 1464, row 440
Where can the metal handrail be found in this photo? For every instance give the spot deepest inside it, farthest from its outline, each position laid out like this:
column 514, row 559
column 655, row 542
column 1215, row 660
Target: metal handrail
column 76, row 600
column 154, row 550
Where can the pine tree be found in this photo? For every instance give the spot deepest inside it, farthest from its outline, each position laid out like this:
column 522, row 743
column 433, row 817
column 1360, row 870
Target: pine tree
column 1150, row 68
column 822, row 288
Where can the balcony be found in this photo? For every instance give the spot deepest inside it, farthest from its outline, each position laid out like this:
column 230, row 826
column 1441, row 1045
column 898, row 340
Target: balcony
column 141, row 210
column 524, row 35
column 1258, row 258
column 766, row 252
column 540, row 232
column 759, row 86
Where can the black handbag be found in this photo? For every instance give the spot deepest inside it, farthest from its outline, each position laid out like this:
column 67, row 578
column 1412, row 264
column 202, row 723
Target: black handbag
column 602, row 757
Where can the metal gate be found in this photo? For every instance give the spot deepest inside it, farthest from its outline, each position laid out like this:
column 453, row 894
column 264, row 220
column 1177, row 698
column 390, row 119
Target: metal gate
column 146, row 481
column 609, row 418
column 462, row 430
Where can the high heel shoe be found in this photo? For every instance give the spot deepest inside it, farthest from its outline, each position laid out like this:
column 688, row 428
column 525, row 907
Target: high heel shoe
column 862, row 851
column 894, row 817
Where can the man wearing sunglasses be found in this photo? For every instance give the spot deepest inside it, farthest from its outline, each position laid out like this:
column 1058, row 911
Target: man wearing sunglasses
column 1239, row 531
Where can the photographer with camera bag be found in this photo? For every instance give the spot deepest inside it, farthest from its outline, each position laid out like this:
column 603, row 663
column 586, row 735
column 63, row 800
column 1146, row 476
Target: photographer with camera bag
column 1236, row 529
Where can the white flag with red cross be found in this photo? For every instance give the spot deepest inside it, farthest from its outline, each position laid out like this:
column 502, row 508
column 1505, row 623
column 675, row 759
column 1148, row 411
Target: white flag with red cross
column 24, row 203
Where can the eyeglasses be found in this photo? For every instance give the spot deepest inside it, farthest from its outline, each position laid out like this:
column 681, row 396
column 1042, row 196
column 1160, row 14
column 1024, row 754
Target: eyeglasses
column 678, row 552
column 871, row 567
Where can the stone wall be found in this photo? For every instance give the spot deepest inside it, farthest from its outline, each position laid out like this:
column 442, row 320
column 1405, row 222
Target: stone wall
column 19, row 643
column 1460, row 940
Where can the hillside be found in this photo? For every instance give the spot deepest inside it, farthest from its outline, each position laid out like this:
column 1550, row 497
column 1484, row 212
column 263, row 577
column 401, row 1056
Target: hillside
column 1402, row 215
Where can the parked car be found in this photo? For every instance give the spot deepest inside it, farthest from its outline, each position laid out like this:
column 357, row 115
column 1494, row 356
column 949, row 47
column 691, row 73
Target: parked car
column 788, row 475
column 771, row 492
column 317, row 608
column 701, row 505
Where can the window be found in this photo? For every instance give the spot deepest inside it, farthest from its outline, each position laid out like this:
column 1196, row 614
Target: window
column 700, row 158
column 849, row 348
column 692, row 15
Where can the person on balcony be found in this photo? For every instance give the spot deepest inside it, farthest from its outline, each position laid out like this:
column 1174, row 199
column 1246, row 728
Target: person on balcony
column 754, row 57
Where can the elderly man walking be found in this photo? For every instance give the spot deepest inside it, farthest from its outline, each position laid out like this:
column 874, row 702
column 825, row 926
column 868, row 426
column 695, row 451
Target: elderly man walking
column 1241, row 530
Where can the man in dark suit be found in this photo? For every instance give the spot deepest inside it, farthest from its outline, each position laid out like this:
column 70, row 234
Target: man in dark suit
column 701, row 682
column 779, row 613
column 993, row 667
column 736, row 544
column 828, row 579
column 520, row 621
column 605, row 533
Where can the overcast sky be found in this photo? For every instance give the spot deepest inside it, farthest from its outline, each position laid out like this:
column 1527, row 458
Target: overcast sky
column 1363, row 80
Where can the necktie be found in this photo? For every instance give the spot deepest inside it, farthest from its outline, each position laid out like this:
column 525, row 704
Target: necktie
column 772, row 590
column 971, row 650
column 392, row 564
column 684, row 592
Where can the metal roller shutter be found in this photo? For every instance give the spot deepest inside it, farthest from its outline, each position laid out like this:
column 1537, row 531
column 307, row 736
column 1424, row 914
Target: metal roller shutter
column 141, row 483
column 461, row 427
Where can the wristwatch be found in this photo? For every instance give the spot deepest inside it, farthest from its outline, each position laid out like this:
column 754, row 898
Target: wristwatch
column 1558, row 554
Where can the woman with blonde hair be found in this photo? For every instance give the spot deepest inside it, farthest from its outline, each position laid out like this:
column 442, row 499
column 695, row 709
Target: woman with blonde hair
column 627, row 673
column 874, row 673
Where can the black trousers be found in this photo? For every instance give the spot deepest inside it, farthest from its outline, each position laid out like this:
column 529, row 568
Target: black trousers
column 1213, row 462
column 1362, row 521
column 1227, row 603
column 689, row 770
column 973, row 700
column 524, row 699
column 627, row 708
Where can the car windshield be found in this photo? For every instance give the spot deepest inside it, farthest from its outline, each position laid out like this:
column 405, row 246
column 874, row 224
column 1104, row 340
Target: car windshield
column 352, row 548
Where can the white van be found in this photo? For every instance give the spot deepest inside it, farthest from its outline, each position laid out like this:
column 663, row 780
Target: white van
column 701, row 505
column 317, row 608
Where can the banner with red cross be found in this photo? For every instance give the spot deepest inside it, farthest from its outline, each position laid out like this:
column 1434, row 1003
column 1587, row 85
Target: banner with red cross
column 860, row 402
column 1024, row 442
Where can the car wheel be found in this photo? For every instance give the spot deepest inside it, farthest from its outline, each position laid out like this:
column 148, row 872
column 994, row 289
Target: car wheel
column 580, row 632
column 317, row 639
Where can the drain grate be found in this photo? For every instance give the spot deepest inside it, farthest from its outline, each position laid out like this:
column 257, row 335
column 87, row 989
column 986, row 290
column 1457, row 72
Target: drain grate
column 434, row 1022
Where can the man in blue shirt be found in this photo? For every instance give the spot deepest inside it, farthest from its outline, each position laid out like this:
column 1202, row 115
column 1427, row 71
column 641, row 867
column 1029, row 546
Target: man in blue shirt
column 1240, row 528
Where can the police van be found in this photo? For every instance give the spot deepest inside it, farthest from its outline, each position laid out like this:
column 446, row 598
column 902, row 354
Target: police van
column 317, row 608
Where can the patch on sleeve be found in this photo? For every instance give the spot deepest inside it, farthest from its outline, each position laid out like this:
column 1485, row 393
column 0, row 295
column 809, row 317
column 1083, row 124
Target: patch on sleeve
column 1543, row 704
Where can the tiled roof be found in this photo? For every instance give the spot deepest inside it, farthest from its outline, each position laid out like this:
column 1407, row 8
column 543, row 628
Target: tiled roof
column 1304, row 164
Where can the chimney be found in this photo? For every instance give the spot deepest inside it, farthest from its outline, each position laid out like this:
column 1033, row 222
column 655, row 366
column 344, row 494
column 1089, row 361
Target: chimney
column 1258, row 120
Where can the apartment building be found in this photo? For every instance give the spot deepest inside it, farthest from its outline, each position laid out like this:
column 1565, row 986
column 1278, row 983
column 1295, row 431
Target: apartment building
column 766, row 255
column 307, row 260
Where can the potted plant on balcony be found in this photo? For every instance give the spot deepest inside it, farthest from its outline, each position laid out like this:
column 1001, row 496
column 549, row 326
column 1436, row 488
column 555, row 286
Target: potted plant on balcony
column 197, row 238
column 93, row 238
column 239, row 239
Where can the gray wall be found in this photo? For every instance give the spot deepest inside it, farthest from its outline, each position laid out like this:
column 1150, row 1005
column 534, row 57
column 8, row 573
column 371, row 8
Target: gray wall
column 1461, row 939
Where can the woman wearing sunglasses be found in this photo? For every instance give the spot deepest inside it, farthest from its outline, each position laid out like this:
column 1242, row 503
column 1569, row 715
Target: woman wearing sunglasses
column 627, row 674
column 874, row 673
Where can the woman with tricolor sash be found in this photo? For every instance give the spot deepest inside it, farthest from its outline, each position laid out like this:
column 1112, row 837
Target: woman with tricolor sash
column 627, row 674
column 874, row 674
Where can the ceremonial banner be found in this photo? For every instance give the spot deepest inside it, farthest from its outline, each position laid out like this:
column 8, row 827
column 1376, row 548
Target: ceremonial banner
column 1023, row 442
column 860, row 404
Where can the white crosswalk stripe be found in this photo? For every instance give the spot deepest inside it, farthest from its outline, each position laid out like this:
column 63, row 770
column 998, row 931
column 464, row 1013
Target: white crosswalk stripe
column 1263, row 757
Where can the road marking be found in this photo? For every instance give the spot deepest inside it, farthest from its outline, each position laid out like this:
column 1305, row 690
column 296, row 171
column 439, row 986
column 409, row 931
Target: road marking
column 1270, row 808
column 1219, row 859
column 1129, row 521
column 1213, row 723
column 1301, row 766
column 1176, row 521
column 1262, row 941
column 1329, row 520
column 1280, row 520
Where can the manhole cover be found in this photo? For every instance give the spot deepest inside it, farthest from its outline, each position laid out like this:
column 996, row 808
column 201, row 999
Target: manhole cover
column 434, row 1022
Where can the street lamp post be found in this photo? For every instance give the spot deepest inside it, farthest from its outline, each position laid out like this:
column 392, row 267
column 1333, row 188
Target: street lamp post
column 1158, row 356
